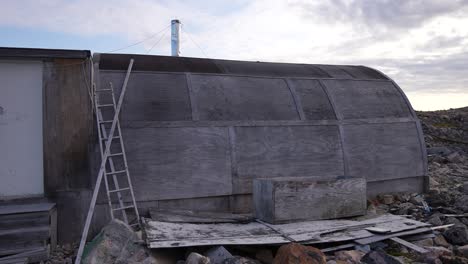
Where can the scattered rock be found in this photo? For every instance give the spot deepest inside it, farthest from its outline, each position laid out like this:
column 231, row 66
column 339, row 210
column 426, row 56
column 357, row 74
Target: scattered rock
column 218, row 254
column 294, row 253
column 349, row 256
column 457, row 235
column 387, row 199
column 451, row 220
column 465, row 188
column 116, row 243
column 265, row 256
column 453, row 260
column 454, row 157
column 462, row 203
column 424, row 242
column 440, row 251
column 379, row 256
column 195, row 258
column 435, row 220
column 462, row 251
column 404, row 208
column 440, row 240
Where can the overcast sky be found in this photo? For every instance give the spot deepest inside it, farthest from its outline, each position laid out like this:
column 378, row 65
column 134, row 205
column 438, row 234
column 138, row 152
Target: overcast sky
column 421, row 44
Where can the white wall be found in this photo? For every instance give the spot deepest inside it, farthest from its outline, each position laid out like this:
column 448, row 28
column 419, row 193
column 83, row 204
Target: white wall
column 21, row 156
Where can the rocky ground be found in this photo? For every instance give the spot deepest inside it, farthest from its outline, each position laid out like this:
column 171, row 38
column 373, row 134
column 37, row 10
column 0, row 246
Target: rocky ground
column 446, row 135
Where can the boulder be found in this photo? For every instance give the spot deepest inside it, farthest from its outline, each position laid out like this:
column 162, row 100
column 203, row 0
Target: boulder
column 116, row 244
column 462, row 203
column 387, row 199
column 218, row 254
column 195, row 258
column 440, row 240
column 379, row 256
column 453, row 260
column 451, row 220
column 435, row 220
column 465, row 188
column 265, row 256
column 349, row 256
column 294, row 253
column 424, row 242
column 454, row 157
column 463, row 251
column 405, row 208
column 457, row 235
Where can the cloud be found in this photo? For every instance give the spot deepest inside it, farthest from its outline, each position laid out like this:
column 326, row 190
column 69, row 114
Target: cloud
column 422, row 44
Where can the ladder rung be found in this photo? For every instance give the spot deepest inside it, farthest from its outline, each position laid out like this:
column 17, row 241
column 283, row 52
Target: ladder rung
column 119, row 190
column 112, row 138
column 103, row 90
column 116, row 172
column 105, row 105
column 115, row 154
column 106, row 121
column 122, row 208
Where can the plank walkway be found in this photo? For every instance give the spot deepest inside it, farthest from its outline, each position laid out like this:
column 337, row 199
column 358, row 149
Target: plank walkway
column 161, row 234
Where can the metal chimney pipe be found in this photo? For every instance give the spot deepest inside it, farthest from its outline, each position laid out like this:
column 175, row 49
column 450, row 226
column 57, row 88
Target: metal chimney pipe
column 175, row 37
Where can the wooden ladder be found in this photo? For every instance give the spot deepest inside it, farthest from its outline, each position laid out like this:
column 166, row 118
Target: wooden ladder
column 109, row 165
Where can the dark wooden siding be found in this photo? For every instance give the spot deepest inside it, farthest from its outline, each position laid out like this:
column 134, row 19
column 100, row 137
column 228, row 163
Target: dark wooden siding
column 68, row 124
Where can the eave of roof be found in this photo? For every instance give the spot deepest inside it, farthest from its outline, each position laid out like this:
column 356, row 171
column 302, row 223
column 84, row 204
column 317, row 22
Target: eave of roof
column 35, row 53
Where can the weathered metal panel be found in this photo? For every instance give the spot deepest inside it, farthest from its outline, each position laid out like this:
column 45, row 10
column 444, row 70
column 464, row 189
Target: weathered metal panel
column 236, row 121
column 156, row 63
column 270, row 69
column 174, row 163
column 242, row 98
column 383, row 151
column 313, row 100
column 366, row 99
column 264, row 152
column 360, row 72
column 152, row 96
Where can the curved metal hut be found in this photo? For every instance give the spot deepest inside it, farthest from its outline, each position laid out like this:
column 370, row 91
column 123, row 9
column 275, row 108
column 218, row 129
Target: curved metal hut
column 197, row 131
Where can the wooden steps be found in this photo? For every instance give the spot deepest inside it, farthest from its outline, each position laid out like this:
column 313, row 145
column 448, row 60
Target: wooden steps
column 27, row 231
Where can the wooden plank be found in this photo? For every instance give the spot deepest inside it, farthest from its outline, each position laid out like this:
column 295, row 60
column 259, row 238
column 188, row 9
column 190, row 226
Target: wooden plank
column 299, row 151
column 165, row 235
column 162, row 234
column 280, row 200
column 188, row 216
column 336, row 248
column 12, row 221
column 410, row 245
column 25, row 208
column 32, row 255
column 341, row 230
column 377, row 238
column 18, row 260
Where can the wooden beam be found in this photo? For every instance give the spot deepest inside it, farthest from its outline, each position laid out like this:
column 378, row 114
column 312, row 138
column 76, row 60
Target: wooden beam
column 410, row 245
